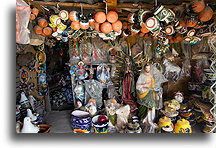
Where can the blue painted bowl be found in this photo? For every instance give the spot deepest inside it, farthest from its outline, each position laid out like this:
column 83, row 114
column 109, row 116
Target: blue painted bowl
column 99, row 127
column 81, row 121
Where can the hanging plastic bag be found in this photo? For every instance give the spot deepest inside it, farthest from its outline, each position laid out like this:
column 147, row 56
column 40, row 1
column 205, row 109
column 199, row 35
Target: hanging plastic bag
column 23, row 12
column 85, row 49
column 186, row 69
column 172, row 71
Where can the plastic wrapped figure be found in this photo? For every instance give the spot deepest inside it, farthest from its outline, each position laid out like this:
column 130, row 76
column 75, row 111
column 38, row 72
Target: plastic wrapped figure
column 128, row 88
column 79, row 94
column 148, row 98
column 103, row 73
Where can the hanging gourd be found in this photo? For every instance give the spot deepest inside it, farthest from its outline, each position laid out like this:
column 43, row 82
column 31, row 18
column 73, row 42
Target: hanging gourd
column 106, row 27
column 75, row 25
column 42, row 22
column 198, row 5
column 117, row 26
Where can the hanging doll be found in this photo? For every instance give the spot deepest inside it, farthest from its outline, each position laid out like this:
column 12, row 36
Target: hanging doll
column 128, row 89
column 81, row 73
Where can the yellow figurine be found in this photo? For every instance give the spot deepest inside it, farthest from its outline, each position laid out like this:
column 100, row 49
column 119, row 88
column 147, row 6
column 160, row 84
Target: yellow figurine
column 165, row 124
column 182, row 126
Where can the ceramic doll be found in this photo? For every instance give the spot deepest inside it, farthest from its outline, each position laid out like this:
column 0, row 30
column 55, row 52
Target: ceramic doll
column 91, row 107
column 179, row 97
column 28, row 127
column 171, row 108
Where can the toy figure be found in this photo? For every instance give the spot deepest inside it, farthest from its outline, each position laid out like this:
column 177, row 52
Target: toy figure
column 179, row 97
column 148, row 98
column 128, row 90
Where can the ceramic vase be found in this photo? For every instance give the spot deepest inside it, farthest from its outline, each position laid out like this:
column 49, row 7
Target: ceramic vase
column 100, row 127
column 81, row 121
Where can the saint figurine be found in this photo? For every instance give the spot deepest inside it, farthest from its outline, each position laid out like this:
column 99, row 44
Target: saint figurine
column 147, row 99
column 128, row 89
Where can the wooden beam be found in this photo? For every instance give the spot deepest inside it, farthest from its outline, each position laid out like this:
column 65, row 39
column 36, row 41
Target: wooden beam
column 111, row 4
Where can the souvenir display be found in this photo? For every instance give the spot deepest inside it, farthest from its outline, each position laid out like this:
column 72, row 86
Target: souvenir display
column 116, row 67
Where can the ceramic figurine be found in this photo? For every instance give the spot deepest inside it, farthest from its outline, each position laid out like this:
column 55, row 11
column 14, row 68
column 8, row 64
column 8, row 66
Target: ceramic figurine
column 122, row 118
column 103, row 73
column 79, row 93
column 91, row 107
column 81, row 73
column 165, row 124
column 100, row 124
column 33, row 117
column 179, row 97
column 24, row 101
column 28, row 127
column 81, row 121
column 182, row 126
column 32, row 101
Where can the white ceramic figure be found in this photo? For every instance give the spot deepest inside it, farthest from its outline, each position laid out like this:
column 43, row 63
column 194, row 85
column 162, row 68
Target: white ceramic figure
column 28, row 127
column 91, row 107
column 24, row 100
column 32, row 101
column 32, row 116
column 122, row 118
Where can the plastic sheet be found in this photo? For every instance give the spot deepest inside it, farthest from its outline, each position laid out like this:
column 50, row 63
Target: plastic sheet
column 23, row 12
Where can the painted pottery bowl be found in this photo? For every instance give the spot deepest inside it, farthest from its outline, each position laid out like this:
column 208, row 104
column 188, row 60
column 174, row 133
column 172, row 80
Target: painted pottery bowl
column 47, row 31
column 169, row 30
column 143, row 15
column 185, row 111
column 191, row 32
column 152, row 24
column 171, row 16
column 61, row 26
column 63, row 15
column 55, row 19
column 161, row 13
column 35, row 11
column 74, row 16
column 75, row 25
column 182, row 126
column 100, row 127
column 84, row 24
column 81, row 121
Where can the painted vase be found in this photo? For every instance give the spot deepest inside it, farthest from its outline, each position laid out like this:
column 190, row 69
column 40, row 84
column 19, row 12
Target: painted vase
column 182, row 126
column 81, row 121
column 100, row 127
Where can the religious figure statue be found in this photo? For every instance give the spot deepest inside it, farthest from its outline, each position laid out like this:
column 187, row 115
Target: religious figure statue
column 148, row 96
column 128, row 88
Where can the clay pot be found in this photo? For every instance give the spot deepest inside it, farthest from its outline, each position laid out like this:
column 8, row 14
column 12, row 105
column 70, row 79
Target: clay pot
column 42, row 34
column 100, row 17
column 84, row 23
column 112, row 16
column 141, row 34
column 38, row 30
column 35, row 11
column 182, row 23
column 47, row 31
column 178, row 38
column 75, row 25
column 97, row 26
column 124, row 25
column 91, row 22
column 144, row 29
column 206, row 14
column 42, row 22
column 198, row 5
column 106, row 27
column 191, row 22
column 32, row 17
column 74, row 16
column 117, row 26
